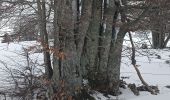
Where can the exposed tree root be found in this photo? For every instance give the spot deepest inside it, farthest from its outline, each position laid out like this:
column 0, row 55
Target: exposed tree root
column 134, row 89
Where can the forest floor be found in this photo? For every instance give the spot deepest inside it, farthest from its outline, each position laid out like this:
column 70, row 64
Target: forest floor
column 154, row 66
column 13, row 59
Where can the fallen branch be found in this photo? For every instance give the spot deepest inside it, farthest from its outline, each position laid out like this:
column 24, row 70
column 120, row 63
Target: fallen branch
column 152, row 91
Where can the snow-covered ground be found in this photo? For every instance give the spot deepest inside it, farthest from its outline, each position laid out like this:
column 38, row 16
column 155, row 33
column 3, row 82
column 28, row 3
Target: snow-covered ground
column 12, row 56
column 153, row 64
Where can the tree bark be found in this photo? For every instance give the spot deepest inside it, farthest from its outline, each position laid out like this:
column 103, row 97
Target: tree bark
column 95, row 52
column 44, row 38
column 106, row 36
column 56, row 68
column 83, row 25
column 90, row 48
column 158, row 38
column 67, row 62
column 114, row 61
column 158, row 32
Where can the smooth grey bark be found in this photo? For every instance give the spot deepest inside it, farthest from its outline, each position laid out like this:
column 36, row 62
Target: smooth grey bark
column 93, row 54
column 106, row 36
column 90, row 49
column 83, row 26
column 102, row 49
column 67, row 64
column 114, row 61
column 68, row 46
column 56, row 73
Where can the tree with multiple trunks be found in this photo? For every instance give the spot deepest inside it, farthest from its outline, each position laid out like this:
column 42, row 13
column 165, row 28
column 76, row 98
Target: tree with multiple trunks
column 88, row 38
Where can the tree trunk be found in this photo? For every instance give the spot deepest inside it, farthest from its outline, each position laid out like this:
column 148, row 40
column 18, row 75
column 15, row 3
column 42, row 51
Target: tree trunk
column 44, row 38
column 85, row 20
column 102, row 49
column 44, row 43
column 93, row 51
column 106, row 36
column 158, row 38
column 66, row 64
column 158, row 32
column 114, row 61
column 90, row 49
column 56, row 68
column 70, row 29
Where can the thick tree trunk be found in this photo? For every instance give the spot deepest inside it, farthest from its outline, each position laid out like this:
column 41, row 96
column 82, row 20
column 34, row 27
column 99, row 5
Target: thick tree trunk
column 66, row 66
column 69, row 33
column 90, row 48
column 90, row 52
column 114, row 62
column 102, row 49
column 82, row 28
column 109, row 18
column 94, row 52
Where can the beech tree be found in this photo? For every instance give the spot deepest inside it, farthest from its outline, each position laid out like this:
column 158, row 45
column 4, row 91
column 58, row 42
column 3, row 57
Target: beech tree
column 88, row 38
column 93, row 51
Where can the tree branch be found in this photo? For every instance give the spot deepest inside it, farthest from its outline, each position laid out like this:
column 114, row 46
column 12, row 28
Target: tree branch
column 136, row 68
